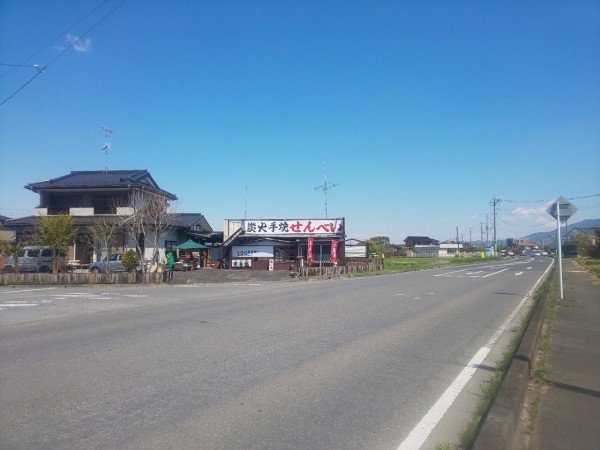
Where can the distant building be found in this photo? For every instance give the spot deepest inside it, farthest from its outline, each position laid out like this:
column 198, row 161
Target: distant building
column 450, row 250
column 412, row 241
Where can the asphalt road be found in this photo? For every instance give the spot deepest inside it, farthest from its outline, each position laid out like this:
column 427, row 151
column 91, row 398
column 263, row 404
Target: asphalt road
column 339, row 364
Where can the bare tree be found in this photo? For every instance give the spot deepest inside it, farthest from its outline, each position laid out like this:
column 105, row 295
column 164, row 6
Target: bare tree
column 152, row 218
column 102, row 235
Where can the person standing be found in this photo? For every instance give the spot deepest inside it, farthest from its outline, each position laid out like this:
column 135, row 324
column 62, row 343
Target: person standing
column 169, row 266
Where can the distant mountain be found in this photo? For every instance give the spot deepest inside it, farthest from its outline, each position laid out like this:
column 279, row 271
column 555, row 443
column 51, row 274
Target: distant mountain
column 549, row 236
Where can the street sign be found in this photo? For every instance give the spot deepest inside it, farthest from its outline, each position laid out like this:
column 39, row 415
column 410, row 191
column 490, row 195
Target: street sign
column 565, row 209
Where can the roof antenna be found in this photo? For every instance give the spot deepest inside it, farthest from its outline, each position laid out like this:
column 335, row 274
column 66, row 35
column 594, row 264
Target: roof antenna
column 325, row 186
column 107, row 134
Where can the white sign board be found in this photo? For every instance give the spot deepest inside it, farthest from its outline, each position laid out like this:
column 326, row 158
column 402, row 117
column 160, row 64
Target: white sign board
column 252, row 251
column 294, row 227
column 562, row 209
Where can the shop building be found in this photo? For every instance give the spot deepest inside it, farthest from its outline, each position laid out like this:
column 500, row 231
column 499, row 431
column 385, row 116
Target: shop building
column 283, row 244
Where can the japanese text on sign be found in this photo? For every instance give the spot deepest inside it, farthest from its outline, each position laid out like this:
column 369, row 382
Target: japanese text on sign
column 295, row 226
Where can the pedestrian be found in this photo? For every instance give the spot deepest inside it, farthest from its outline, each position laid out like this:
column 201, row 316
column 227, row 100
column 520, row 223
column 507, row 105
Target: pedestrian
column 169, row 266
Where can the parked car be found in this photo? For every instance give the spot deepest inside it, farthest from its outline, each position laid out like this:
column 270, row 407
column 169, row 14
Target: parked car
column 32, row 259
column 114, row 264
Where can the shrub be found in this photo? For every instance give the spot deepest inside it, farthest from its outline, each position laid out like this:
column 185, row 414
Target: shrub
column 130, row 260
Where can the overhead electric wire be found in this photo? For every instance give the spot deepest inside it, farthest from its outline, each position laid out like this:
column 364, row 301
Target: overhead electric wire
column 51, row 41
column 550, row 200
column 63, row 51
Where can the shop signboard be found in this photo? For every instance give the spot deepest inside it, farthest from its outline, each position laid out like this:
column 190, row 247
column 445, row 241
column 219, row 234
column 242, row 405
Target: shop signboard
column 252, row 251
column 309, row 256
column 294, row 227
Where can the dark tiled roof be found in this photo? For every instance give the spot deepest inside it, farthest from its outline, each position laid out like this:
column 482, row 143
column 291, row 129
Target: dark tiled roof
column 186, row 220
column 410, row 240
column 97, row 179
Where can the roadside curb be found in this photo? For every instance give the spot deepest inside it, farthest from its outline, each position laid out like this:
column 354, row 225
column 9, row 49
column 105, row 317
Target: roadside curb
column 500, row 427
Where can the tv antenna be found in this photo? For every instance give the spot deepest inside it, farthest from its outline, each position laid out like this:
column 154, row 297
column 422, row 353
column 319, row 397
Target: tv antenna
column 107, row 135
column 325, row 186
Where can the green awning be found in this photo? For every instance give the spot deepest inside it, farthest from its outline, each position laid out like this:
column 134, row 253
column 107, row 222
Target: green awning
column 189, row 244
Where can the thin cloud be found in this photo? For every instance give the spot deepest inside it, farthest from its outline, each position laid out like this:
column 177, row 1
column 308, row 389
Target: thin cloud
column 529, row 211
column 78, row 44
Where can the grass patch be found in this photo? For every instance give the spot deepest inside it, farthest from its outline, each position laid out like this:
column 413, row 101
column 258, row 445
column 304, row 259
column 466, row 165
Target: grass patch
column 542, row 370
column 443, row 446
column 408, row 264
column 591, row 264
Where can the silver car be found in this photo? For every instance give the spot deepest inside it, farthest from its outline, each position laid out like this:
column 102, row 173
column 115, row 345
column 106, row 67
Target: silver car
column 32, row 259
column 114, row 264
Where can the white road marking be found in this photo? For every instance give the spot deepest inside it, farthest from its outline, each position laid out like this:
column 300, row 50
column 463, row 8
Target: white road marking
column 518, row 273
column 19, row 304
column 423, row 429
column 26, row 290
column 494, row 273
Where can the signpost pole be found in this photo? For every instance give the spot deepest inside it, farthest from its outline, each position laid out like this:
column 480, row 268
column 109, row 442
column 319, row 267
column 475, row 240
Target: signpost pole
column 568, row 210
column 559, row 249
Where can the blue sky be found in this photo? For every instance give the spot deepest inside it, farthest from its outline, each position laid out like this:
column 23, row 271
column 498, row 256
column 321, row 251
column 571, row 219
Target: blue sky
column 421, row 111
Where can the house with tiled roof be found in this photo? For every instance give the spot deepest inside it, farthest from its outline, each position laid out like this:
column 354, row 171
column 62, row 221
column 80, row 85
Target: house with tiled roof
column 412, row 241
column 93, row 196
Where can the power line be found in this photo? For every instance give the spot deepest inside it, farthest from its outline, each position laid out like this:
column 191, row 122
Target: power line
column 75, row 41
column 550, row 200
column 52, row 41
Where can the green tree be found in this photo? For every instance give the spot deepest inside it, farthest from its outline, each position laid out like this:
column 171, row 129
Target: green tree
column 381, row 240
column 11, row 249
column 57, row 232
column 376, row 247
column 585, row 244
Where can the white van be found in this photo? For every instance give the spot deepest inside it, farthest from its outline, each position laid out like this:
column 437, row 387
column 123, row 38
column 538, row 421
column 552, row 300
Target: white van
column 32, row 259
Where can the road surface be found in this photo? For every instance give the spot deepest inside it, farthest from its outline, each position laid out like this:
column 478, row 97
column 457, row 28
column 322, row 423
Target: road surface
column 360, row 363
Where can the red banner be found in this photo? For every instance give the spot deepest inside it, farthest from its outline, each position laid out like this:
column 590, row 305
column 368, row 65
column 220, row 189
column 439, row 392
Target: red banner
column 309, row 256
column 334, row 246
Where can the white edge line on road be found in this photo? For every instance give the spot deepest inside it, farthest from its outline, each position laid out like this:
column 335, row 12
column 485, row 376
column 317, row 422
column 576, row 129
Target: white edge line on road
column 423, row 429
column 26, row 290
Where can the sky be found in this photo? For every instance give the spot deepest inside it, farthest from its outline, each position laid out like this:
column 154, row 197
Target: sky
column 415, row 115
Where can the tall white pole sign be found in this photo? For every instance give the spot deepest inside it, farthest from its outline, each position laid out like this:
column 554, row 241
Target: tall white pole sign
column 562, row 209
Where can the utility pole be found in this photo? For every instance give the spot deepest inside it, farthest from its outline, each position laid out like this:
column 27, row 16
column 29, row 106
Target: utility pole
column 457, row 244
column 482, row 243
column 495, row 201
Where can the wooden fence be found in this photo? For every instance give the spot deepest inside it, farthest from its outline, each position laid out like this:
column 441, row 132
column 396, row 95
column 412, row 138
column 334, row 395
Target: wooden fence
column 350, row 267
column 80, row 278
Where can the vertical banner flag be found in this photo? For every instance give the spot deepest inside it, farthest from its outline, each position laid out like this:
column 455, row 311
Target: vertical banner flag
column 334, row 245
column 309, row 257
